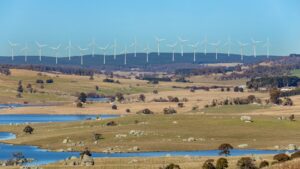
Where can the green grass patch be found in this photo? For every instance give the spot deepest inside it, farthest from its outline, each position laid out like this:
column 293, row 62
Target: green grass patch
column 234, row 108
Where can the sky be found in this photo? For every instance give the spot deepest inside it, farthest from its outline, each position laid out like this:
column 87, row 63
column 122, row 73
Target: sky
column 55, row 22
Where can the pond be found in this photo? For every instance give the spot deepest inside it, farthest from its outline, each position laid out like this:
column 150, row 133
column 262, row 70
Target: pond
column 44, row 118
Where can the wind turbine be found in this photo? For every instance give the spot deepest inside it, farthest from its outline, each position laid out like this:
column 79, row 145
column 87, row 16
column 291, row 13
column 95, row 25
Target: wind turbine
column 40, row 46
column 134, row 45
column 125, row 55
column 104, row 49
column 158, row 41
column 267, row 45
column 147, row 49
column 242, row 45
column 55, row 49
column 216, row 45
column 81, row 53
column 93, row 45
column 228, row 44
column 12, row 46
column 172, row 46
column 25, row 49
column 204, row 43
column 254, row 43
column 114, row 46
column 181, row 42
column 69, row 47
column 195, row 47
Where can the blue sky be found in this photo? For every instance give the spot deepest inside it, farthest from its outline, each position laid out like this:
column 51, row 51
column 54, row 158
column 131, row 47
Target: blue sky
column 56, row 21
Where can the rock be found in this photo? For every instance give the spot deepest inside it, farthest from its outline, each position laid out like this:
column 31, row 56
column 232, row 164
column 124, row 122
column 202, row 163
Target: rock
column 66, row 140
column 191, row 139
column 174, row 122
column 242, row 145
column 87, row 160
column 276, row 147
column 246, row 118
column 292, row 147
column 133, row 161
column 136, row 132
column 121, row 135
column 135, row 148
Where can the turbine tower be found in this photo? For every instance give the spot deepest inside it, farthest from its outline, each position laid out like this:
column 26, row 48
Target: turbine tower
column 81, row 53
column 125, row 55
column 173, row 46
column 228, row 44
column 25, row 49
column 216, row 45
column 147, row 49
column 40, row 46
column 267, row 45
column 93, row 45
column 158, row 41
column 12, row 46
column 195, row 47
column 134, row 46
column 69, row 47
column 204, row 43
column 114, row 46
column 55, row 49
column 104, row 49
column 181, row 42
column 242, row 46
column 254, row 44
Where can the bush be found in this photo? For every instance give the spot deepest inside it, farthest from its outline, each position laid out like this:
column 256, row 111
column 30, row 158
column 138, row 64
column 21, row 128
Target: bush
column 281, row 157
column 263, row 164
column 97, row 136
column 108, row 80
column 28, row 129
column 111, row 123
column 85, row 152
column 208, row 164
column 40, row 81
column 142, row 97
column 274, row 96
column 295, row 155
column 246, row 163
column 169, row 111
column 128, row 111
column 145, row 111
column 180, row 105
column 222, row 163
column 155, row 91
column 49, row 81
column 292, row 117
column 172, row 166
column 114, row 107
column 120, row 97
column 79, row 104
column 82, row 97
column 225, row 149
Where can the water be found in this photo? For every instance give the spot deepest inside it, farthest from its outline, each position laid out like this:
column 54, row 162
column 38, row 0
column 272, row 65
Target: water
column 5, row 106
column 7, row 136
column 99, row 99
column 43, row 156
column 44, row 118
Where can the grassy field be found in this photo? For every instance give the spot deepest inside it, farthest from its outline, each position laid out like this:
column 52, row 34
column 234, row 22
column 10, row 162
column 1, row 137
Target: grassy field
column 296, row 72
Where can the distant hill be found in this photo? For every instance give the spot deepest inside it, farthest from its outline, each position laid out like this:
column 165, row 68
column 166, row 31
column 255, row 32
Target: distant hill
column 139, row 60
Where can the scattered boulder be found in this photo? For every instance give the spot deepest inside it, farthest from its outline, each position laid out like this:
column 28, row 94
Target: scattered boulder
column 136, row 133
column 87, row 160
column 145, row 111
column 246, row 119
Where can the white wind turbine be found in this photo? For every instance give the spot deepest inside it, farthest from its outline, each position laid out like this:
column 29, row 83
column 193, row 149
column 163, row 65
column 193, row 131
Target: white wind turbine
column 55, row 49
column 12, row 46
column 93, row 45
column 40, row 46
column 228, row 44
column 125, row 55
column 204, row 43
column 25, row 49
column 216, row 45
column 147, row 50
column 195, row 47
column 181, row 42
column 104, row 49
column 242, row 46
column 114, row 46
column 69, row 47
column 267, row 45
column 158, row 41
column 254, row 45
column 134, row 44
column 173, row 46
column 81, row 53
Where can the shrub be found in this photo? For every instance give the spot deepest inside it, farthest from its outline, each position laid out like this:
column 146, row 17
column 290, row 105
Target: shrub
column 246, row 163
column 225, row 149
column 228, row 89
column 120, row 97
column 172, row 166
column 79, row 104
column 111, row 123
column 222, row 163
column 28, row 129
column 145, row 111
column 82, row 97
column 128, row 111
column 40, row 81
column 263, row 164
column 85, row 152
column 274, row 96
column 222, row 89
column 180, row 105
column 295, row 155
column 114, row 107
column 97, row 136
column 155, row 91
column 49, row 81
column 108, row 80
column 208, row 164
column 292, row 117
column 142, row 97
column 281, row 157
